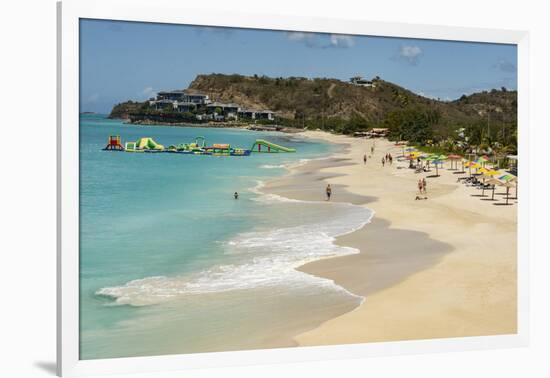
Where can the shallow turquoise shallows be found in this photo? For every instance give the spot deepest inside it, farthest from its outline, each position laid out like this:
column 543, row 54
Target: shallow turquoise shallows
column 170, row 262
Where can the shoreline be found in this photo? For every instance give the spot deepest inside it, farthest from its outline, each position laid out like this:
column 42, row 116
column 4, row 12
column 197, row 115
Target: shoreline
column 210, row 124
column 437, row 256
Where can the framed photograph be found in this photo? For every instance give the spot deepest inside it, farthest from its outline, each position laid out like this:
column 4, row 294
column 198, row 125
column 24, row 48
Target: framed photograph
column 250, row 188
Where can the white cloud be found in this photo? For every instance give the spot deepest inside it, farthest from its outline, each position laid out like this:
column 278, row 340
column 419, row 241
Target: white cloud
column 147, row 92
column 298, row 36
column 322, row 41
column 339, row 40
column 410, row 54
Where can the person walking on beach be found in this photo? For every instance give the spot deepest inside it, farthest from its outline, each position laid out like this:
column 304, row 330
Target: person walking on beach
column 372, row 149
column 391, row 159
column 365, row 159
column 329, row 192
column 420, row 186
column 383, row 162
column 424, row 185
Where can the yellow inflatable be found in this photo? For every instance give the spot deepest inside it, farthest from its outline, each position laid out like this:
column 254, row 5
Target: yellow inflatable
column 148, row 144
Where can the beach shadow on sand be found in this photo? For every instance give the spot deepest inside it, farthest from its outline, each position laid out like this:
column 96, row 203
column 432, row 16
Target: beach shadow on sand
column 385, row 262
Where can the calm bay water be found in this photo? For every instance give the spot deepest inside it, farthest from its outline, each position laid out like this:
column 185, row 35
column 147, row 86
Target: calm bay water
column 171, row 263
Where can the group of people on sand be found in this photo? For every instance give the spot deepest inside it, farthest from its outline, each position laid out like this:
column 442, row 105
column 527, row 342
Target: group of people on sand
column 387, row 159
column 422, row 189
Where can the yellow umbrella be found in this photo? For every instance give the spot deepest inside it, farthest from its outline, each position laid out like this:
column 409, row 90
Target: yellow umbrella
column 485, row 173
column 491, row 172
column 470, row 165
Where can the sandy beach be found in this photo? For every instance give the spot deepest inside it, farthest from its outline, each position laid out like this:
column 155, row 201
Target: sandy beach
column 435, row 268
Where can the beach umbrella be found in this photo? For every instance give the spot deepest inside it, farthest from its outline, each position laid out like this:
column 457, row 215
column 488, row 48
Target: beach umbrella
column 442, row 158
column 510, row 178
column 437, row 159
column 408, row 149
column 482, row 170
column 436, row 162
column 476, row 166
column 493, row 182
column 507, row 185
column 463, row 161
column 472, row 164
column 454, row 158
column 491, row 173
column 482, row 160
column 431, row 158
column 469, row 165
column 507, row 177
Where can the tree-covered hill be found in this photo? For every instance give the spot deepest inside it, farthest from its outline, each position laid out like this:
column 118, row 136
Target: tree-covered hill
column 339, row 106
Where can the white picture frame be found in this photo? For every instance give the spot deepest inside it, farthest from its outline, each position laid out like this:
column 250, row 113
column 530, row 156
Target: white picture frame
column 173, row 11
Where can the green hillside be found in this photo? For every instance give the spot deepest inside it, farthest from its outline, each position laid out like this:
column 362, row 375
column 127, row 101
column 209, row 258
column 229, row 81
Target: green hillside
column 343, row 107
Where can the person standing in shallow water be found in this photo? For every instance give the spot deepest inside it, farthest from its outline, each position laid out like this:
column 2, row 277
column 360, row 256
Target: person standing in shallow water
column 236, row 195
column 329, row 192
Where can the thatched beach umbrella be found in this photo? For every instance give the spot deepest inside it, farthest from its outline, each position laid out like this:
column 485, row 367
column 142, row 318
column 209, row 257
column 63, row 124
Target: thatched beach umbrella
column 493, row 182
column 510, row 178
column 487, row 173
column 507, row 185
column 454, row 158
column 483, row 171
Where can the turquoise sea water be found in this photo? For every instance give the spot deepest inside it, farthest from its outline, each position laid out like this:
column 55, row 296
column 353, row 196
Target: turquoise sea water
column 171, row 263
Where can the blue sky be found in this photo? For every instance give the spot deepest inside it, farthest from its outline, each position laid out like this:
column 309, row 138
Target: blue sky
column 124, row 60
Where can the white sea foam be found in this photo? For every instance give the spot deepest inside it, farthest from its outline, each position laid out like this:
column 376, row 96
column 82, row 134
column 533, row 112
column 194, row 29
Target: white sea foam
column 269, row 259
column 266, row 258
column 273, row 166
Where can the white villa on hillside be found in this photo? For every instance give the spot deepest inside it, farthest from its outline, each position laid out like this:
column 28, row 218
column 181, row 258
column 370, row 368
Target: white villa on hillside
column 179, row 97
column 204, row 108
column 257, row 114
column 360, row 81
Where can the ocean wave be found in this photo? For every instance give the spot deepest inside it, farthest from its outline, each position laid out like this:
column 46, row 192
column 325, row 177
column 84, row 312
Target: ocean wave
column 273, row 166
column 268, row 258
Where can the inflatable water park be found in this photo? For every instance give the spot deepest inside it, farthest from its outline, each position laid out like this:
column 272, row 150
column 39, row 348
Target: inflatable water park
column 197, row 147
